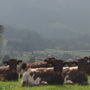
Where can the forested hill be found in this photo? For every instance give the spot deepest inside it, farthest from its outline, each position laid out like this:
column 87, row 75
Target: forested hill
column 28, row 40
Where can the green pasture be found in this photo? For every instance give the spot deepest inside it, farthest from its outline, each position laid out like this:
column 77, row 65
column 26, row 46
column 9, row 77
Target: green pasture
column 17, row 86
column 82, row 53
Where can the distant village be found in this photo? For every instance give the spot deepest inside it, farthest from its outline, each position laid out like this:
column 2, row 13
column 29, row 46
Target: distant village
column 38, row 55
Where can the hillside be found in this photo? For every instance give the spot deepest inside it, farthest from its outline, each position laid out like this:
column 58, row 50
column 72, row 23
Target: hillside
column 28, row 40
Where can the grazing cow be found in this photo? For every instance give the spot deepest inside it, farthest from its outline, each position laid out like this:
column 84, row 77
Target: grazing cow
column 9, row 72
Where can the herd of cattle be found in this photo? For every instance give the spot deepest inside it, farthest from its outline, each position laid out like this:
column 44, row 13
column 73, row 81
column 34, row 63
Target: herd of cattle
column 49, row 72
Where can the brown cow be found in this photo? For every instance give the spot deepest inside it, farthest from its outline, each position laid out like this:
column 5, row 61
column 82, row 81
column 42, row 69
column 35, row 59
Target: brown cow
column 49, row 75
column 57, row 64
column 75, row 77
column 35, row 65
column 56, row 75
column 9, row 73
column 26, row 66
column 74, row 74
column 84, row 64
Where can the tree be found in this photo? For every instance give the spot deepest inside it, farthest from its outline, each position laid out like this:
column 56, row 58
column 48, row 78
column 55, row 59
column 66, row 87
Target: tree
column 1, row 38
column 1, row 28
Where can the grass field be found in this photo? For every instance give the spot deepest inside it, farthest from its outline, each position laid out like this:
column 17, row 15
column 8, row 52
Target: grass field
column 81, row 53
column 17, row 86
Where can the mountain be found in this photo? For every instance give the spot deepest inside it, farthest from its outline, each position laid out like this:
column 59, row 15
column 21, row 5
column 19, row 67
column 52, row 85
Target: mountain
column 52, row 38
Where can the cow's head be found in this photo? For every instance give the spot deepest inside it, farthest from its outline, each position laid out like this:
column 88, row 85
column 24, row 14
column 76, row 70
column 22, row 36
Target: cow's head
column 12, row 63
column 50, row 61
column 24, row 66
column 57, row 64
column 84, row 64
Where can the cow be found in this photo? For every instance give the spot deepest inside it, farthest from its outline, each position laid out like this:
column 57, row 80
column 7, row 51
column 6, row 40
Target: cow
column 72, row 75
column 75, row 77
column 57, row 64
column 82, row 63
column 45, row 76
column 49, row 75
column 28, row 80
column 35, row 65
column 9, row 72
column 58, row 74
column 26, row 66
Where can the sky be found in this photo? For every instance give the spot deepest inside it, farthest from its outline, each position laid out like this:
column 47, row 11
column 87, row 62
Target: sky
column 41, row 15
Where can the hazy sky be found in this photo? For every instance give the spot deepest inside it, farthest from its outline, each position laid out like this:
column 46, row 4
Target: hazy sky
column 43, row 14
